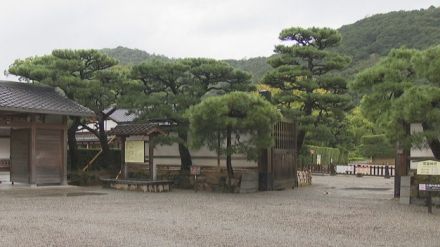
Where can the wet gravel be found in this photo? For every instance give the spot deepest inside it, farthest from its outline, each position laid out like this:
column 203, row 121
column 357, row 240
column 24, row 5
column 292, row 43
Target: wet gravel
column 329, row 213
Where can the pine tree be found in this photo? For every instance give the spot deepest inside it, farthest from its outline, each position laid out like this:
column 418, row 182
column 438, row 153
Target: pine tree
column 306, row 87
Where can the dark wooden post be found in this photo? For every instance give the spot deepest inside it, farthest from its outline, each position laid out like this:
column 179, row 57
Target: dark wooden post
column 123, row 166
column 397, row 171
column 387, row 171
column 151, row 165
column 32, row 161
column 64, row 154
column 218, row 149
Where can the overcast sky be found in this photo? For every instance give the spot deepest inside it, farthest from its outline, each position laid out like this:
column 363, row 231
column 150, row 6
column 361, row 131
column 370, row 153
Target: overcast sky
column 176, row 28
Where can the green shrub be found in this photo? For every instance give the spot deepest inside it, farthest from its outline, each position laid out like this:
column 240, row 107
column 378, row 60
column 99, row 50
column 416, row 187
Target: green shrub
column 309, row 153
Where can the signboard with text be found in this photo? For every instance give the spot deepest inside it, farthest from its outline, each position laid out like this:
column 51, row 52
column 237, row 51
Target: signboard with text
column 134, row 151
column 428, row 167
column 429, row 187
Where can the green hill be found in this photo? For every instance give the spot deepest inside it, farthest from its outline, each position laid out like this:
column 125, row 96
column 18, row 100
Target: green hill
column 380, row 33
column 256, row 66
column 365, row 41
column 131, row 56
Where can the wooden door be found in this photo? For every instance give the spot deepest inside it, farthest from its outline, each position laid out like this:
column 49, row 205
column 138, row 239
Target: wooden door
column 283, row 160
column 283, row 169
column 277, row 165
column 20, row 155
column 49, row 156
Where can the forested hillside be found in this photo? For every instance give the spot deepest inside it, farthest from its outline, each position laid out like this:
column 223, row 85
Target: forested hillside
column 365, row 41
column 131, row 56
column 256, row 66
column 380, row 33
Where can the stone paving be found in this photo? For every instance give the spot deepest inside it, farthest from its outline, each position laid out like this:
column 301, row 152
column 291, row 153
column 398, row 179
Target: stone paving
column 334, row 211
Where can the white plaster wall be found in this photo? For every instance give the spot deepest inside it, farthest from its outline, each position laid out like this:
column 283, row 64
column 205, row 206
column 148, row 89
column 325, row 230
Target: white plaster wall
column 201, row 157
column 420, row 152
column 4, row 148
column 109, row 124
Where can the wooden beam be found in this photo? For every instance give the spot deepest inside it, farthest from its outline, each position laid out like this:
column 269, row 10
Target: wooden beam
column 32, row 154
column 97, row 155
column 64, row 152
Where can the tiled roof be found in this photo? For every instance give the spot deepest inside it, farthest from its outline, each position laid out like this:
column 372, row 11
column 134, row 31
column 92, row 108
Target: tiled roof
column 86, row 137
column 26, row 97
column 122, row 115
column 135, row 129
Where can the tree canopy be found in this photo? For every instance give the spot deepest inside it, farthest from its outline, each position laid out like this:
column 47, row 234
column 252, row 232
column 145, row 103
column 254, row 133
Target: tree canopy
column 234, row 123
column 172, row 87
column 381, row 86
column 306, row 87
column 376, row 146
column 401, row 89
column 86, row 76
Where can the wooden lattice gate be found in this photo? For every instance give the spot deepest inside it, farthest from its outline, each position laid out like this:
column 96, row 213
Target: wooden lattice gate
column 277, row 165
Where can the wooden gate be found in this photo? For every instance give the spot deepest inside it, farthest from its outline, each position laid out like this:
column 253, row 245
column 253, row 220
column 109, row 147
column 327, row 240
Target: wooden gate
column 283, row 169
column 20, row 155
column 277, row 165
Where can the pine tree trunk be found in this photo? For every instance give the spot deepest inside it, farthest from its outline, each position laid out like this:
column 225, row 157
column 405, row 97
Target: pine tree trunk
column 300, row 141
column 103, row 141
column 71, row 141
column 229, row 156
column 402, row 159
column 301, row 135
column 185, row 155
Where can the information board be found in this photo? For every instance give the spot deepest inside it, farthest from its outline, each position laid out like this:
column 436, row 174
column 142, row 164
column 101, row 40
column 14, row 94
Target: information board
column 429, row 187
column 428, row 167
column 134, row 151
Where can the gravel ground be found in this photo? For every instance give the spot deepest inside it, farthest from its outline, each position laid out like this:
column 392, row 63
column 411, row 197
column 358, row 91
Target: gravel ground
column 335, row 211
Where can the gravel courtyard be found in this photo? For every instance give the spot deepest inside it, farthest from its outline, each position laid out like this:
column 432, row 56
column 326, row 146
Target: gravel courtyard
column 335, row 211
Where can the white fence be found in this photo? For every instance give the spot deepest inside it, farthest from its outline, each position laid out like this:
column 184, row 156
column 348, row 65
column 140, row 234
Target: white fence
column 366, row 169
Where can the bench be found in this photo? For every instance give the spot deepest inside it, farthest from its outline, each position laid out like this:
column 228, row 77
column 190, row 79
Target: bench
column 138, row 185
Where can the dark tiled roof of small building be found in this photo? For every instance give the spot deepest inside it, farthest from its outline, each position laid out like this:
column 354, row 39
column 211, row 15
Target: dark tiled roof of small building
column 26, row 97
column 86, row 137
column 135, row 129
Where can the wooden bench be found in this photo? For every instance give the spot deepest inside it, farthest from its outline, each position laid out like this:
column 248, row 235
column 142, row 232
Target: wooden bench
column 138, row 185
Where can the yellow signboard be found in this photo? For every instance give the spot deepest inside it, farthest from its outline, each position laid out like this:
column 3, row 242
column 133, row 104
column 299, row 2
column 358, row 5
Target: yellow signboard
column 134, row 151
column 428, row 167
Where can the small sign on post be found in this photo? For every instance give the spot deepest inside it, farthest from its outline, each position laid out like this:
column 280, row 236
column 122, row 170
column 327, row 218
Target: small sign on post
column 429, row 168
column 429, row 187
column 195, row 170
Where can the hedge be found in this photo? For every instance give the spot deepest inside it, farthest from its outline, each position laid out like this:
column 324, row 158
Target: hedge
column 308, row 156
